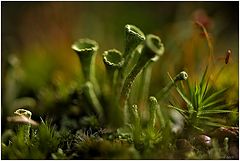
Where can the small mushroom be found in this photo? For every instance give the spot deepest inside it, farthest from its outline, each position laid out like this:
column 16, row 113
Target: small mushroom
column 22, row 116
column 22, row 120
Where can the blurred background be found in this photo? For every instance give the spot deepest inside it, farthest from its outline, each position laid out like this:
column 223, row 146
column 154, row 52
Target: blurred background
column 39, row 68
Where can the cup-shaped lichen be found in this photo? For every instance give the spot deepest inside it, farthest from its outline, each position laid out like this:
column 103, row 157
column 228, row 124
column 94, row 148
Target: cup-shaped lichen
column 86, row 50
column 152, row 50
column 133, row 37
column 113, row 60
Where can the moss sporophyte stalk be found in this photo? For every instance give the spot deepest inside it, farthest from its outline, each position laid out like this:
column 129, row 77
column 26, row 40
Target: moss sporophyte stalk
column 181, row 76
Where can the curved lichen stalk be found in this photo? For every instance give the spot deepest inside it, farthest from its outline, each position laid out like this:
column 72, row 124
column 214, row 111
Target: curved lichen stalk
column 133, row 37
column 113, row 61
column 86, row 50
column 91, row 96
column 145, row 79
column 152, row 50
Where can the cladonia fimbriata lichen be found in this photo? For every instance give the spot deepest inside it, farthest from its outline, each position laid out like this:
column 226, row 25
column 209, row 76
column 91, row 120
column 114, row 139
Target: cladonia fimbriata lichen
column 133, row 38
column 86, row 50
column 113, row 61
column 152, row 50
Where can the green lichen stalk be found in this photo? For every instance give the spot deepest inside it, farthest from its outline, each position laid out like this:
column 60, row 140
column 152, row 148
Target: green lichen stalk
column 133, row 37
column 86, row 50
column 91, row 96
column 153, row 106
column 152, row 50
column 136, row 122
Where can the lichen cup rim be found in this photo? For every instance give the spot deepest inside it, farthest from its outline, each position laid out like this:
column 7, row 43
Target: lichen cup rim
column 154, row 43
column 82, row 45
column 132, row 29
column 118, row 53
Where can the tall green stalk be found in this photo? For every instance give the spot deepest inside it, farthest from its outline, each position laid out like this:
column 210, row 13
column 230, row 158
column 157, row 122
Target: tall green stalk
column 91, row 96
column 133, row 37
column 113, row 61
column 153, row 106
column 152, row 50
column 86, row 50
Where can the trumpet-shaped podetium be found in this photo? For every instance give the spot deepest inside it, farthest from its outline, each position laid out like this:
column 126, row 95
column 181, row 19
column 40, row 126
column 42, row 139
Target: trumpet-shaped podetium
column 113, row 60
column 86, row 50
column 152, row 50
column 133, row 37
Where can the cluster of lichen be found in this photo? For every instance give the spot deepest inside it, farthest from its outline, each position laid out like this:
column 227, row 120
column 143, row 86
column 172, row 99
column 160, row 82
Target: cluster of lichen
column 122, row 69
column 138, row 129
